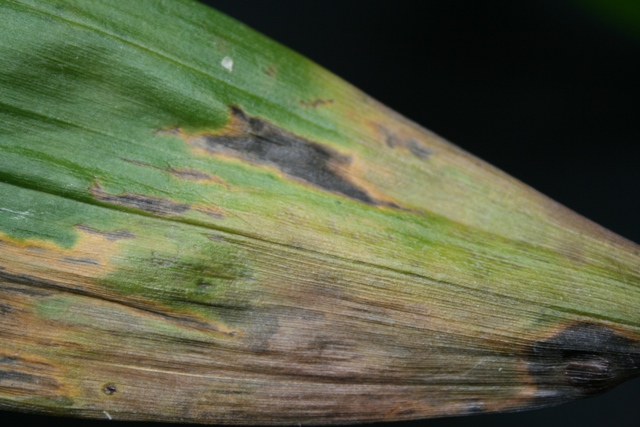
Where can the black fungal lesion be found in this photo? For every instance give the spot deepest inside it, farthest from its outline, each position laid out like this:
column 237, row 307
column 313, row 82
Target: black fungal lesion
column 582, row 360
column 260, row 142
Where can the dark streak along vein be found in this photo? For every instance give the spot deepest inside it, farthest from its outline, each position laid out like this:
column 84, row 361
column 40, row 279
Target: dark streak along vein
column 154, row 205
column 23, row 381
column 87, row 261
column 188, row 174
column 109, row 235
column 143, row 202
column 5, row 309
column 15, row 376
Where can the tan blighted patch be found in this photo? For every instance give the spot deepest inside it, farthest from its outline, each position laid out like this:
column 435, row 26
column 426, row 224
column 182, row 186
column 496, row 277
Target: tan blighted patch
column 90, row 257
column 32, row 271
column 67, row 335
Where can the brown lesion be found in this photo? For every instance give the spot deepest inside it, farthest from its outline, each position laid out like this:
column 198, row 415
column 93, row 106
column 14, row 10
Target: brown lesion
column 38, row 258
column 110, row 389
column 19, row 380
column 81, row 261
column 143, row 202
column 408, row 143
column 271, row 70
column 112, row 236
column 261, row 143
column 151, row 204
column 36, row 269
column 315, row 103
column 195, row 175
column 187, row 174
column 5, row 309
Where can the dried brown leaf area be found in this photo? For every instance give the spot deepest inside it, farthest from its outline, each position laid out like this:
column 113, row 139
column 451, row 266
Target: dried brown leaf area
column 336, row 343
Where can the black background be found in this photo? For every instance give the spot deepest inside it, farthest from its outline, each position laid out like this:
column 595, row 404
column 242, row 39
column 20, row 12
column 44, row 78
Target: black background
column 546, row 90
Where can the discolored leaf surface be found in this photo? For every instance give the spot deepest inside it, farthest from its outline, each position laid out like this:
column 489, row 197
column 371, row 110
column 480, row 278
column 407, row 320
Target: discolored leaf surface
column 170, row 225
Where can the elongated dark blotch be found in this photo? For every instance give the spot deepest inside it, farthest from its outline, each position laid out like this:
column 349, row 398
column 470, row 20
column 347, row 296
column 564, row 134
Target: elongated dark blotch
column 260, row 142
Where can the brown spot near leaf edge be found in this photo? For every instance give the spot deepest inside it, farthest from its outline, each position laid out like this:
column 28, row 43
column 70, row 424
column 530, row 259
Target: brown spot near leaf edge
column 415, row 147
column 261, row 143
column 418, row 150
column 316, row 103
column 582, row 360
column 271, row 70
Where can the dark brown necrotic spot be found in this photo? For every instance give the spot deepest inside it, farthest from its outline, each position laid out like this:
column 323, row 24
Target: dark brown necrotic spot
column 109, row 389
column 582, row 360
column 262, row 143
column 143, row 202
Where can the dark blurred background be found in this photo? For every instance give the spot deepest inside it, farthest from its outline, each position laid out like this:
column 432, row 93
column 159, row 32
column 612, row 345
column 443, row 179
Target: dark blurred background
column 546, row 90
